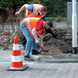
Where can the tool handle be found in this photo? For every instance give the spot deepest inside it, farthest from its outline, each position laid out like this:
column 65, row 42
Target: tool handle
column 41, row 47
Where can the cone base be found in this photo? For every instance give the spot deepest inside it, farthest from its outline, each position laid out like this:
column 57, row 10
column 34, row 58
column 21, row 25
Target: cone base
column 19, row 69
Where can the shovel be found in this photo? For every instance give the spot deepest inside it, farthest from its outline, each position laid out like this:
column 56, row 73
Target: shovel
column 41, row 47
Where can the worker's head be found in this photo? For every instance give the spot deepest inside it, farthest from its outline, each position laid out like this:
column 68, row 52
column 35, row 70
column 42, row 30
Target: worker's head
column 48, row 24
column 43, row 10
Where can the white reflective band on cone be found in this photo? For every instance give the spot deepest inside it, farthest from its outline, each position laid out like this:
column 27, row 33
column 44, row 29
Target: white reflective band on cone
column 15, row 46
column 16, row 58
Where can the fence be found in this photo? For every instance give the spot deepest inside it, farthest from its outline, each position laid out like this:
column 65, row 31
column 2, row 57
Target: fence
column 69, row 11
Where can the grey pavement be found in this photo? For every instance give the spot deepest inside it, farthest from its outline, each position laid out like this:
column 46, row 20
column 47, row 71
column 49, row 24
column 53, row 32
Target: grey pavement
column 39, row 68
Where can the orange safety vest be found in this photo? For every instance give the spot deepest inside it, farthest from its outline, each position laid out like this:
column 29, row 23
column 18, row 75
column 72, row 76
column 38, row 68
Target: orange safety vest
column 35, row 11
column 31, row 23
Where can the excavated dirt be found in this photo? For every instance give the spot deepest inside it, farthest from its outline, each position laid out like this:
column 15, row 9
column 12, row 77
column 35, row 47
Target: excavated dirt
column 54, row 46
column 60, row 47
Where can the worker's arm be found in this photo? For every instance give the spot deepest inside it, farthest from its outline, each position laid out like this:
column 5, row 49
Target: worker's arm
column 38, row 26
column 21, row 9
column 34, row 34
column 41, row 39
column 36, row 38
column 51, row 32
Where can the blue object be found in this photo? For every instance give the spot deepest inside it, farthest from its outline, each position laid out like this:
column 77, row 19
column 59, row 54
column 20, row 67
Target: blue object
column 43, row 18
column 30, row 7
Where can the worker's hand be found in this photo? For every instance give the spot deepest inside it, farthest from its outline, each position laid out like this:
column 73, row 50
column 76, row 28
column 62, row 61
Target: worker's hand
column 37, row 42
column 42, row 46
column 17, row 13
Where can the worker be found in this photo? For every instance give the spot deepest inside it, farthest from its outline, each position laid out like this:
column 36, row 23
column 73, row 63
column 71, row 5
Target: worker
column 34, row 10
column 31, row 27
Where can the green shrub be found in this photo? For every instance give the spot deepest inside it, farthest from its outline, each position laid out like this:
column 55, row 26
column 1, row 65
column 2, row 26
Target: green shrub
column 6, row 3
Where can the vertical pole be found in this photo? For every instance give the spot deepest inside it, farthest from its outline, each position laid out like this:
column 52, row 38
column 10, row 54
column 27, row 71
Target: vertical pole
column 74, row 27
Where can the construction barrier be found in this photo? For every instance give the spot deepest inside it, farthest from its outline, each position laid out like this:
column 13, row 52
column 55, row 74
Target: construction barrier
column 16, row 63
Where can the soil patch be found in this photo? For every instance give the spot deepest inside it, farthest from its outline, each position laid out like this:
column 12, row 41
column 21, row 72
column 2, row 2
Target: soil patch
column 55, row 46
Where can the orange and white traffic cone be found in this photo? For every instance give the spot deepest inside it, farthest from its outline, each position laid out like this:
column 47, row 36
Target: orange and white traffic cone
column 16, row 63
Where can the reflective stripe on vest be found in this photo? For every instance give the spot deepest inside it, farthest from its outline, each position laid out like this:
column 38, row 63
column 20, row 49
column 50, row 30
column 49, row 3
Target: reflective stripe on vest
column 39, row 32
column 30, row 30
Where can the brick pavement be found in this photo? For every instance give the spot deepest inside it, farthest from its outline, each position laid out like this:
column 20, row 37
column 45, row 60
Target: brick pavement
column 41, row 70
column 37, row 69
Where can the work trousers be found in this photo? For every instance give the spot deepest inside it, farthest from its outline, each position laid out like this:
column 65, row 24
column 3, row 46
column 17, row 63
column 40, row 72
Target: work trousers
column 30, row 44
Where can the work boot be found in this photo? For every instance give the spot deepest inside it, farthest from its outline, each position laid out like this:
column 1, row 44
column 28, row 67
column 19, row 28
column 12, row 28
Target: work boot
column 27, row 58
column 35, row 52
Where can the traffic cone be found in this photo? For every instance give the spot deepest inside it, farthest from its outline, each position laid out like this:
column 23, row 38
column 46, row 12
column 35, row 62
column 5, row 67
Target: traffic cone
column 16, row 63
